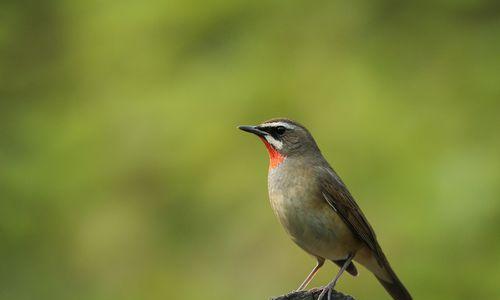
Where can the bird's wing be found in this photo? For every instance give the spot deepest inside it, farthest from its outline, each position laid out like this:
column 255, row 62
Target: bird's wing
column 338, row 197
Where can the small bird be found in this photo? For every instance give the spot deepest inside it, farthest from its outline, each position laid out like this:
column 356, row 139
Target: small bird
column 316, row 209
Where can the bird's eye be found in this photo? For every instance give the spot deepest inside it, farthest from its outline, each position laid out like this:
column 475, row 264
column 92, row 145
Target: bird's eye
column 280, row 130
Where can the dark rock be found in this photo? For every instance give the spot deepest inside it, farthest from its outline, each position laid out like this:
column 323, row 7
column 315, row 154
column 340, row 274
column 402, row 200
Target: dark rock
column 312, row 294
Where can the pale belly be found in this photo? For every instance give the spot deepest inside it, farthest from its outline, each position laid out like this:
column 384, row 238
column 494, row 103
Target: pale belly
column 314, row 225
column 309, row 220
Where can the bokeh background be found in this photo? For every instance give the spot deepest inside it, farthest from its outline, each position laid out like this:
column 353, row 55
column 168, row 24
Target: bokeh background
column 122, row 174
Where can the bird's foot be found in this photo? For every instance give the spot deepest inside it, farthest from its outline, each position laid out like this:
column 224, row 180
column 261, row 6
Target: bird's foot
column 327, row 290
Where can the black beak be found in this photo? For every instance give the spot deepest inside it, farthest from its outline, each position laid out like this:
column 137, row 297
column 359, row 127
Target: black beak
column 253, row 129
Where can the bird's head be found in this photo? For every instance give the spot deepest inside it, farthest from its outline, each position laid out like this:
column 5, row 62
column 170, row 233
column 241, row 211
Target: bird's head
column 283, row 138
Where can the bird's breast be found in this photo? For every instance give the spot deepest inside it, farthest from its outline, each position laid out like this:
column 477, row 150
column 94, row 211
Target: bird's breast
column 296, row 200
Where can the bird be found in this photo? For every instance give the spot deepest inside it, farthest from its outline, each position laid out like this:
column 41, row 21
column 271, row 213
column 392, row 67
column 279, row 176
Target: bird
column 317, row 210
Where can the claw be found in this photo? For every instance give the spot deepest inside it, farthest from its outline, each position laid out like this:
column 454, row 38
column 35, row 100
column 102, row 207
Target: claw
column 326, row 289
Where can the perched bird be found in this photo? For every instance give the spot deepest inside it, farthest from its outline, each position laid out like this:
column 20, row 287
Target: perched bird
column 316, row 209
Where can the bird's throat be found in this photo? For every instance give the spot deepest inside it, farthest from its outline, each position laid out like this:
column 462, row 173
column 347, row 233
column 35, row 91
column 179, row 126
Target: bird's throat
column 275, row 158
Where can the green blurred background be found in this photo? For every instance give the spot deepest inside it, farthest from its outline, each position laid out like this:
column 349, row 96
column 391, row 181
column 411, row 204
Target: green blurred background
column 123, row 176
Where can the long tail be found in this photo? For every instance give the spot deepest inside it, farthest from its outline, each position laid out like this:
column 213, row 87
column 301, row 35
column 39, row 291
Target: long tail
column 380, row 267
column 395, row 288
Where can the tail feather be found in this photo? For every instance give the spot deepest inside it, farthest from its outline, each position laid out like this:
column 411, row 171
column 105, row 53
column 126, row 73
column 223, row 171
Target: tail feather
column 395, row 288
column 382, row 270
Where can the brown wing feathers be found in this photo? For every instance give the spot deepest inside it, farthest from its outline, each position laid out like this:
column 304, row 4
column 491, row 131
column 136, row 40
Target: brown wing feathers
column 339, row 198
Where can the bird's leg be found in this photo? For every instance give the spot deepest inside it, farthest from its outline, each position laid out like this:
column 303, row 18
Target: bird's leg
column 328, row 289
column 309, row 277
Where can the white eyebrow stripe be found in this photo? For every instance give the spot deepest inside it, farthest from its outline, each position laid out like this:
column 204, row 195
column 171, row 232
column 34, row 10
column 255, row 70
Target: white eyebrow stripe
column 276, row 124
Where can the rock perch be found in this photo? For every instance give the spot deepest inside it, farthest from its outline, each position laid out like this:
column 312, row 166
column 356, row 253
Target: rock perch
column 312, row 295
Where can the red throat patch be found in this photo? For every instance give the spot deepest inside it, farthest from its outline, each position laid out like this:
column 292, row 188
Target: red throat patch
column 275, row 158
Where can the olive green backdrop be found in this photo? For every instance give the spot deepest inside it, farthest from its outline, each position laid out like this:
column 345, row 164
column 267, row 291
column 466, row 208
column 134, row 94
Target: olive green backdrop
column 123, row 176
